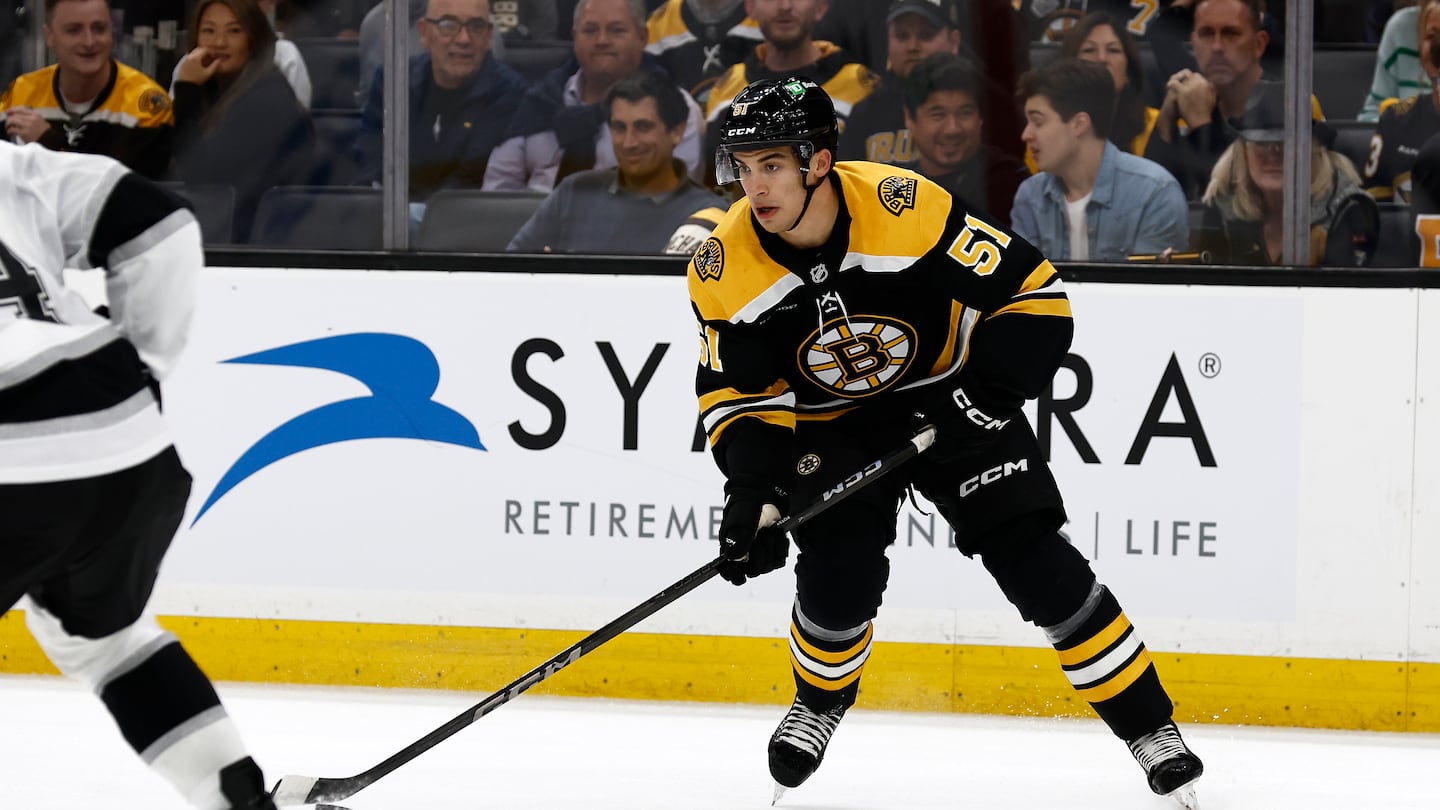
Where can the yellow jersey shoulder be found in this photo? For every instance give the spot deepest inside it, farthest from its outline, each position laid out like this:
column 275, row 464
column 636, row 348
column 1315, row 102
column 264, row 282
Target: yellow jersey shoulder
column 730, row 271
column 139, row 95
column 894, row 213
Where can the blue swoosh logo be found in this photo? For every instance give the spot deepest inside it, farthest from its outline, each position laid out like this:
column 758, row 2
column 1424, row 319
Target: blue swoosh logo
column 402, row 375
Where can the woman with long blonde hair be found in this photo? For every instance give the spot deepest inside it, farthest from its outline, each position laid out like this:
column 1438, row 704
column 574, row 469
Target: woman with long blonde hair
column 1244, row 215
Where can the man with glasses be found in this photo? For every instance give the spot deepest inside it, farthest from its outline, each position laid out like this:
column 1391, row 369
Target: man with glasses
column 461, row 102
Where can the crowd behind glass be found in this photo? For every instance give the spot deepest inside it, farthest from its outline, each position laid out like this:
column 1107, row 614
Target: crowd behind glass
column 1100, row 130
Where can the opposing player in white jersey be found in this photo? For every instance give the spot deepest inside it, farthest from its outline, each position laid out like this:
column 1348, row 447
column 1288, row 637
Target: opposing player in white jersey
column 91, row 488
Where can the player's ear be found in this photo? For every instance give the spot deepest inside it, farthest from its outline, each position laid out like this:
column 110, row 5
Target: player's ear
column 821, row 162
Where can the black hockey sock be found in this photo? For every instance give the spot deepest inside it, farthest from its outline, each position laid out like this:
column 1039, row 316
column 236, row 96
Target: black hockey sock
column 168, row 711
column 1107, row 663
column 828, row 663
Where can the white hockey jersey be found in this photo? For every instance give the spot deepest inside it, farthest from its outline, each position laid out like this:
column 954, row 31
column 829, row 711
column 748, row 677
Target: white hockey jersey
column 75, row 399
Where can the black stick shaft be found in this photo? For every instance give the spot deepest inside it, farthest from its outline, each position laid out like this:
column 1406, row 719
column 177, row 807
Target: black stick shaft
column 333, row 790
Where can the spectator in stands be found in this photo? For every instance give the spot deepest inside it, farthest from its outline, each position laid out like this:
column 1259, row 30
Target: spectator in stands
column 1244, row 214
column 1100, row 37
column 288, row 61
column 647, row 203
column 301, row 19
column 462, row 100
column 696, row 41
column 1398, row 71
column 790, row 49
column 1406, row 125
column 1190, row 133
column 1054, row 20
column 1425, row 203
column 237, row 121
column 87, row 101
column 943, row 118
column 559, row 127
column 1090, row 200
column 917, row 28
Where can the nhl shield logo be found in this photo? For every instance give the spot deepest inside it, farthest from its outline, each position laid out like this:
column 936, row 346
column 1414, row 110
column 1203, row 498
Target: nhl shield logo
column 897, row 193
column 709, row 260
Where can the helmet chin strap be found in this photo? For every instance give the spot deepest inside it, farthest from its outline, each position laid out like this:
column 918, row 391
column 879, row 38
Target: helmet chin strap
column 809, row 194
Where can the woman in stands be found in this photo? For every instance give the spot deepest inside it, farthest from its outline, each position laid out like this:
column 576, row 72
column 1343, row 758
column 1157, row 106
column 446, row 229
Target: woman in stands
column 1100, row 37
column 237, row 121
column 1244, row 203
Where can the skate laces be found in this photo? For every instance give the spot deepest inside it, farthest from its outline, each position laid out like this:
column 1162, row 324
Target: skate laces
column 809, row 730
column 1158, row 746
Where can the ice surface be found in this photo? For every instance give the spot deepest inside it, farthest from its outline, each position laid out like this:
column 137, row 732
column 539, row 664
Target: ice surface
column 59, row 751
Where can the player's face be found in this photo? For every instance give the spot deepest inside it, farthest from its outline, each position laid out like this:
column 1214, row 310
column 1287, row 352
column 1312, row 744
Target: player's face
column 786, row 24
column 79, row 33
column 1226, row 43
column 913, row 38
column 1266, row 164
column 773, row 182
column 224, row 37
column 456, row 56
column 1051, row 140
column 608, row 41
column 643, row 146
column 1103, row 45
column 946, row 128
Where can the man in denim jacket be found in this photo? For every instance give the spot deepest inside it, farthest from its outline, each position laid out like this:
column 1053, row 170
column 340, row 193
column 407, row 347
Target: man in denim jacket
column 1090, row 201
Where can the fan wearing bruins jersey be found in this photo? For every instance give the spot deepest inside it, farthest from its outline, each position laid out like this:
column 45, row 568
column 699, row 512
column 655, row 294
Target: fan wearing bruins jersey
column 1403, row 129
column 698, row 40
column 91, row 489
column 840, row 305
column 87, row 101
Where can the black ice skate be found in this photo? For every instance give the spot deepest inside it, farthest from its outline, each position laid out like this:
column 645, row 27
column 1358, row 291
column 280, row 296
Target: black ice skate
column 799, row 743
column 242, row 784
column 1169, row 764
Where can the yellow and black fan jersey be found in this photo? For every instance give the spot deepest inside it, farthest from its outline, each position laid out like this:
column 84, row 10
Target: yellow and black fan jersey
column 844, row 79
column 131, row 120
column 1403, row 129
column 911, row 292
column 697, row 51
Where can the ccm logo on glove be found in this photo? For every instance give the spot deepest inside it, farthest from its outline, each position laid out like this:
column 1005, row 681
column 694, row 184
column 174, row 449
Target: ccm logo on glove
column 975, row 415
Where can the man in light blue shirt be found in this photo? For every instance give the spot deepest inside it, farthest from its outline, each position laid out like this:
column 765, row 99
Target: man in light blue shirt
column 1090, row 201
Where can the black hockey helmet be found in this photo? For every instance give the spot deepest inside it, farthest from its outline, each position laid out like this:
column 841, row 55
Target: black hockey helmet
column 794, row 112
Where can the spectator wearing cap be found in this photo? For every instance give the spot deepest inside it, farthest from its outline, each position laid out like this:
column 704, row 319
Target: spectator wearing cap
column 877, row 130
column 1244, row 203
column 461, row 101
column 559, row 128
column 646, row 203
column 1090, row 200
column 942, row 115
column 1228, row 40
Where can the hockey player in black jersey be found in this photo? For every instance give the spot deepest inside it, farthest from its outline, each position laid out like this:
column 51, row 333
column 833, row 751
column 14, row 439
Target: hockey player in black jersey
column 840, row 305
column 91, row 489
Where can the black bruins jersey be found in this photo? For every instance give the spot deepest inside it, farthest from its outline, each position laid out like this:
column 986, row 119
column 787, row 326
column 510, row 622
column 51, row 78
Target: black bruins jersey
column 1050, row 20
column 1403, row 129
column 697, row 52
column 131, row 120
column 912, row 291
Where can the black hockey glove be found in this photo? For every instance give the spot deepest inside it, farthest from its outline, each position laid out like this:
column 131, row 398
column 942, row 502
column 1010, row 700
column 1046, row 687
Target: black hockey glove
column 962, row 427
column 748, row 540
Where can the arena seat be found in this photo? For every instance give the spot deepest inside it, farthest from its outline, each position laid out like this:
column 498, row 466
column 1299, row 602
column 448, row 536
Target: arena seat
column 1352, row 139
column 1397, row 247
column 534, row 59
column 319, row 218
column 335, row 132
column 474, row 221
column 334, row 67
column 1342, row 76
column 213, row 206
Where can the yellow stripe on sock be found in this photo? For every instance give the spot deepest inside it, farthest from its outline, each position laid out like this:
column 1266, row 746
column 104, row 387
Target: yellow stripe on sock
column 1096, row 643
column 1121, row 681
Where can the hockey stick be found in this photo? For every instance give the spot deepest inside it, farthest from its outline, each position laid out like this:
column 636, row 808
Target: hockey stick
column 298, row 790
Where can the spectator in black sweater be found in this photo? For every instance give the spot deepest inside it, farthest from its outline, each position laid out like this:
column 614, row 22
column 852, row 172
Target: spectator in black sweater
column 237, row 122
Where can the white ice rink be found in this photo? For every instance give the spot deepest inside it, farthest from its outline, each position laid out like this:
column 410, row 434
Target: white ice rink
column 59, row 751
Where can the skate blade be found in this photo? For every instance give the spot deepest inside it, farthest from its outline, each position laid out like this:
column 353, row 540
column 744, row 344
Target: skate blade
column 1185, row 795
column 779, row 791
